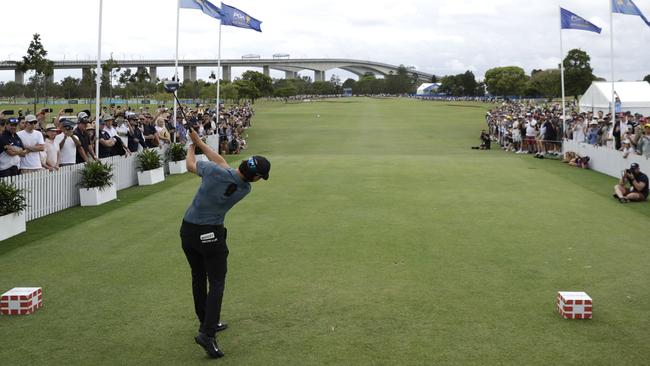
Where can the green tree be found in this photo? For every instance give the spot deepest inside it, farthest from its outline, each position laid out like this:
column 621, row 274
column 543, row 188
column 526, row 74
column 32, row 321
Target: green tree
column 36, row 61
column 578, row 74
column 506, row 81
column 285, row 92
column 126, row 77
column 464, row 84
column 546, row 83
column 71, row 87
column 142, row 74
column 349, row 83
column 324, row 88
column 229, row 91
column 399, row 82
column 647, row 78
column 247, row 90
column 262, row 83
column 109, row 70
column 12, row 90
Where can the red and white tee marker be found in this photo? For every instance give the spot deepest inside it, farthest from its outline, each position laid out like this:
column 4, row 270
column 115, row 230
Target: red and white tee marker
column 574, row 305
column 21, row 301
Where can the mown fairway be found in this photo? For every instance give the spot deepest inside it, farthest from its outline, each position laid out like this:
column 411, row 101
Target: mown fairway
column 380, row 239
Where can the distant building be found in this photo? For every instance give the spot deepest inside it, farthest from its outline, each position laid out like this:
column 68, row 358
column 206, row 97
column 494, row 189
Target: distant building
column 428, row 89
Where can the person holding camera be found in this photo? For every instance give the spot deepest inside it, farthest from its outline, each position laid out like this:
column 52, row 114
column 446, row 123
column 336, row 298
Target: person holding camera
column 638, row 186
column 203, row 235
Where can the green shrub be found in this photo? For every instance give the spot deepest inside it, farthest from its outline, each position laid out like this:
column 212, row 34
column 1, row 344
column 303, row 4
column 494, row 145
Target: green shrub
column 176, row 152
column 96, row 174
column 149, row 159
column 12, row 199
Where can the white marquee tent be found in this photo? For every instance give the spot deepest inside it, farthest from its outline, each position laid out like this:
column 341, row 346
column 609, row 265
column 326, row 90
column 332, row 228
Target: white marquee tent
column 634, row 96
column 428, row 88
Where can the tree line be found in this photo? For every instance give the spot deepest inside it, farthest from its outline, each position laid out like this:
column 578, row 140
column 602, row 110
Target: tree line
column 126, row 83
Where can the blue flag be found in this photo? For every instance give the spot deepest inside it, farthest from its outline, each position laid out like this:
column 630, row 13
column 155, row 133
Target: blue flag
column 237, row 18
column 628, row 7
column 572, row 21
column 207, row 7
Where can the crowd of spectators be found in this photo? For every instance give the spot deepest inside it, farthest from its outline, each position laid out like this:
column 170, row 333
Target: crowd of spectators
column 29, row 143
column 527, row 128
column 531, row 128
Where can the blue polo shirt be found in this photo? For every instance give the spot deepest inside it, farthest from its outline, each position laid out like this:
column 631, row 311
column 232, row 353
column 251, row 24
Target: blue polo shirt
column 220, row 189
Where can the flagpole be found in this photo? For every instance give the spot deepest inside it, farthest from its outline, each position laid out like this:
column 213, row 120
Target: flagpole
column 562, row 79
column 219, row 73
column 98, row 79
column 178, row 17
column 611, row 45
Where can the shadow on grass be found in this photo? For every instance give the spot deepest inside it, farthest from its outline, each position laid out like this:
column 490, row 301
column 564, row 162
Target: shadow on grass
column 50, row 224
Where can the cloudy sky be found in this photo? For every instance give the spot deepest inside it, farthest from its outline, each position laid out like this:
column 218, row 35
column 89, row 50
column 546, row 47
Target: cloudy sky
column 441, row 37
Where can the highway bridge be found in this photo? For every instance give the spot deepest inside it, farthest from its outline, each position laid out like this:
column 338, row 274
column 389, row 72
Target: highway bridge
column 291, row 67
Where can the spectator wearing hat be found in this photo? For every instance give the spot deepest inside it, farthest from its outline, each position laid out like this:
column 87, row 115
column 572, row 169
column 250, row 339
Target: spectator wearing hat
column 592, row 132
column 32, row 142
column 134, row 136
column 638, row 186
column 122, row 129
column 12, row 149
column 106, row 142
column 68, row 143
column 531, row 133
column 85, row 151
column 52, row 149
column 118, row 148
column 627, row 148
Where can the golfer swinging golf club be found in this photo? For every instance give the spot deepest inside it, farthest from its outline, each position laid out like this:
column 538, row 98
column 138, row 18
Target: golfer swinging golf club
column 203, row 235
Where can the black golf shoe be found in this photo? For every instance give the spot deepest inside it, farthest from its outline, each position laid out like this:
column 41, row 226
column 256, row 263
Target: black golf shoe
column 221, row 326
column 209, row 344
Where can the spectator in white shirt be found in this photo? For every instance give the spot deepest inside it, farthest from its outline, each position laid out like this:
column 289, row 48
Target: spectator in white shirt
column 52, row 149
column 32, row 142
column 68, row 144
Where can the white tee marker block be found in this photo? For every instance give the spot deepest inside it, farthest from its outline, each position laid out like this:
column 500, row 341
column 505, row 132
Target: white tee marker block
column 574, row 305
column 21, row 301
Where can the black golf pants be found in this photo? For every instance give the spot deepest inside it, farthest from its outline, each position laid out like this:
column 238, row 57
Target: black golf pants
column 207, row 253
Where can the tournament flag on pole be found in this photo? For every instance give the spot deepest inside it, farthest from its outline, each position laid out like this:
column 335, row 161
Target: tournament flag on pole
column 628, row 7
column 573, row 21
column 237, row 18
column 207, row 7
column 569, row 20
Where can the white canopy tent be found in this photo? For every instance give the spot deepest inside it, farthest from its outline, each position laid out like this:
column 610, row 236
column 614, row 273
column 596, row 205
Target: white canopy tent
column 634, row 96
column 428, row 88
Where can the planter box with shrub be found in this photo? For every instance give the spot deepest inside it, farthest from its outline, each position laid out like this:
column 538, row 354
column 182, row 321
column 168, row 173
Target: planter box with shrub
column 96, row 184
column 150, row 167
column 176, row 155
column 12, row 210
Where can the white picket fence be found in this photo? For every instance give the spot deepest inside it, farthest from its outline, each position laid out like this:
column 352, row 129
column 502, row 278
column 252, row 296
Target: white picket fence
column 49, row 192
